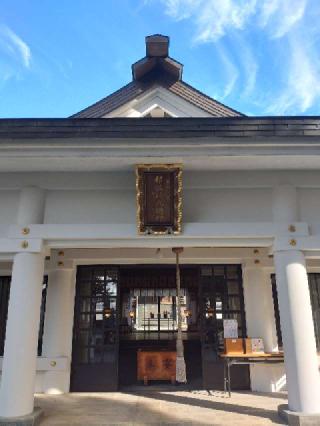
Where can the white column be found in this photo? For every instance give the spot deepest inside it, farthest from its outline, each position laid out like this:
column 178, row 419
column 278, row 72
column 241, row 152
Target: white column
column 20, row 352
column 57, row 337
column 261, row 323
column 259, row 306
column 301, row 363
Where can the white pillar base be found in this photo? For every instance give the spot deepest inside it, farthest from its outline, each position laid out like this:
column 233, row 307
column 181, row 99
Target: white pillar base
column 293, row 418
column 33, row 419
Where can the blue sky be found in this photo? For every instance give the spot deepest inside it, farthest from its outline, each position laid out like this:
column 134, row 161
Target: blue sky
column 261, row 57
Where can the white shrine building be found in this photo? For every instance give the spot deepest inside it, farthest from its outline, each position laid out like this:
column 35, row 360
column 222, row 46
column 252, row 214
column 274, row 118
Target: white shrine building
column 82, row 290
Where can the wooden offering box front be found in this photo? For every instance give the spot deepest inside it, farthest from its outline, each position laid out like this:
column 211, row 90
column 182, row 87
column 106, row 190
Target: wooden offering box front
column 245, row 346
column 232, row 346
column 156, row 365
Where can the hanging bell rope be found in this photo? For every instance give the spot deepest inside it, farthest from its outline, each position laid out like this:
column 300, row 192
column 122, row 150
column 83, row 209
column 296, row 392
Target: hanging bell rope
column 180, row 363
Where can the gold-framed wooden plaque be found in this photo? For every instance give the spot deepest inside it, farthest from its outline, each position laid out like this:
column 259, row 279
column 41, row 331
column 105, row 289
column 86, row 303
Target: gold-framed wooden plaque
column 159, row 198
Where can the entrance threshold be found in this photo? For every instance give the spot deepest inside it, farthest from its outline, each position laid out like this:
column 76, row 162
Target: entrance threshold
column 163, row 387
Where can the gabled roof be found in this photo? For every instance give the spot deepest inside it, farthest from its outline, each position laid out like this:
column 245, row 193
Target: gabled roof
column 137, row 88
column 157, row 69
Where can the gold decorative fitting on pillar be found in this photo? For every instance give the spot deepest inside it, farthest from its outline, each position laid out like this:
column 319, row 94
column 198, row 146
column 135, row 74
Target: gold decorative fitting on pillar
column 292, row 228
column 24, row 244
column 60, row 263
column 256, row 251
column 53, row 363
column 293, row 242
column 256, row 261
column 61, row 253
column 25, row 231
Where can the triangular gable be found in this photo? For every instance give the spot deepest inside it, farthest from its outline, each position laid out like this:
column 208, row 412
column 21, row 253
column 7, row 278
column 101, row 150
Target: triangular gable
column 157, row 70
column 135, row 89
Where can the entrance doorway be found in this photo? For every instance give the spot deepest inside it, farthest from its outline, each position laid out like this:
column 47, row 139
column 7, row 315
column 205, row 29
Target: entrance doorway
column 120, row 310
column 148, row 304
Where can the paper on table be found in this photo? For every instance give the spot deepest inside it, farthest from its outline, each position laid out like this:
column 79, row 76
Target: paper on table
column 230, row 328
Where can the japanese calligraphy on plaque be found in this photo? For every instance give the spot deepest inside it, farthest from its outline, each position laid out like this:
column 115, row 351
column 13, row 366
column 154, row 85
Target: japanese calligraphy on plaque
column 159, row 198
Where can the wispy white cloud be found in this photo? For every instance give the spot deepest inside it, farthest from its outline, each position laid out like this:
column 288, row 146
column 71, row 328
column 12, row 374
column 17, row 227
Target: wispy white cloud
column 282, row 23
column 249, row 65
column 179, row 9
column 231, row 71
column 281, row 15
column 214, row 18
column 302, row 88
column 11, row 43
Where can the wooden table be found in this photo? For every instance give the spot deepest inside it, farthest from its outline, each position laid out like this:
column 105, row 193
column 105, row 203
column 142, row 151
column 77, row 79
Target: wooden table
column 247, row 359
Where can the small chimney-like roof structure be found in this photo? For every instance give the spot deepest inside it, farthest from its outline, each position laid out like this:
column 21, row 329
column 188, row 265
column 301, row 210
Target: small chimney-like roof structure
column 157, row 60
column 157, row 46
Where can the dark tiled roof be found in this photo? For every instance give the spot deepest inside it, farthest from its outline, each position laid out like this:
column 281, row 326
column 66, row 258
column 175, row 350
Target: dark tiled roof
column 264, row 130
column 137, row 88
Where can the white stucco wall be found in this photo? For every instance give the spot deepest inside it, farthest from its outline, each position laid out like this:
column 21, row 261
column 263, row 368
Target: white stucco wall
column 227, row 205
column 208, row 196
column 119, row 206
column 96, row 206
column 8, row 206
column 309, row 207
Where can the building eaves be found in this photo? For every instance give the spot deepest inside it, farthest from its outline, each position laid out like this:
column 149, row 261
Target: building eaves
column 238, row 128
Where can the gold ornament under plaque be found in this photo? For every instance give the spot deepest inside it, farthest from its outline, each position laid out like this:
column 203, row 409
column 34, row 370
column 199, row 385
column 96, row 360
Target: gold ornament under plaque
column 159, row 198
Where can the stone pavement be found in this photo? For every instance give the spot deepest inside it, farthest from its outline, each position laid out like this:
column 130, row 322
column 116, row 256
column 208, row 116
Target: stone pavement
column 150, row 407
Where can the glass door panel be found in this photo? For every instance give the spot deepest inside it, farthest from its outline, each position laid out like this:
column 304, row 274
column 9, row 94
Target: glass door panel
column 95, row 338
column 221, row 297
column 152, row 311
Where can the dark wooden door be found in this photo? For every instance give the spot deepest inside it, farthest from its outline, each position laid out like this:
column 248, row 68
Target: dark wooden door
column 221, row 297
column 96, row 335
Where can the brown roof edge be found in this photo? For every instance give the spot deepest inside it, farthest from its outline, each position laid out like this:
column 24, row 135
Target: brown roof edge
column 237, row 113
column 100, row 102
